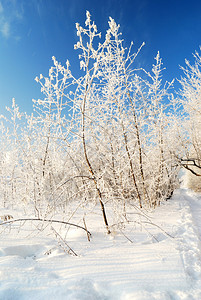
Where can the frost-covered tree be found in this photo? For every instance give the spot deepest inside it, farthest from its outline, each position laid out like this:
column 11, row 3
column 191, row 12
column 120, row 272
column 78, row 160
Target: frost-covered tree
column 191, row 96
column 100, row 139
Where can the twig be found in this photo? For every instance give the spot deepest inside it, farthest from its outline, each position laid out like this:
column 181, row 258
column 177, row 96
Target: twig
column 126, row 237
column 153, row 224
column 62, row 243
column 146, row 222
column 78, row 176
column 88, row 236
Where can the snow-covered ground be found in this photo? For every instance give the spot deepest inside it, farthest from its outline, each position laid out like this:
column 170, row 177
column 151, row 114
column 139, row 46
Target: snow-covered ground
column 142, row 262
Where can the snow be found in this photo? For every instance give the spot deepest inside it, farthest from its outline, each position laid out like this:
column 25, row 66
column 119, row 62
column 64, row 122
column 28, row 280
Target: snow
column 153, row 266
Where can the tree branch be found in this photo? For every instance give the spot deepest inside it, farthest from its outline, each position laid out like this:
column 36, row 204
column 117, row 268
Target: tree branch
column 46, row 220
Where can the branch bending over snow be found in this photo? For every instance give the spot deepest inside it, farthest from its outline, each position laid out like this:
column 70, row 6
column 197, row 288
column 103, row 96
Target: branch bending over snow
column 45, row 220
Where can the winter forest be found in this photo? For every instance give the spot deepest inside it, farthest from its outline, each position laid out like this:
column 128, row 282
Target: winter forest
column 113, row 142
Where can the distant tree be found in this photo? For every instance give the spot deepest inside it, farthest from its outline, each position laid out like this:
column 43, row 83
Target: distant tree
column 190, row 98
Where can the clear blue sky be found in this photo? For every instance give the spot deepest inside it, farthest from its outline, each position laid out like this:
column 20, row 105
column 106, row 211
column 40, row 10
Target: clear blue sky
column 32, row 31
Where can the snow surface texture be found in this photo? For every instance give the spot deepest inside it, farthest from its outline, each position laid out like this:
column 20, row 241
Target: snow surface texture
column 155, row 266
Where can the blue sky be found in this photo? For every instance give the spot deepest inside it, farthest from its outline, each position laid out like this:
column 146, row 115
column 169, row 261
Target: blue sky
column 32, row 31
